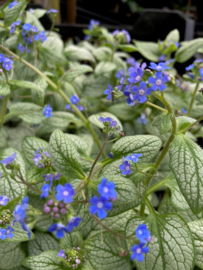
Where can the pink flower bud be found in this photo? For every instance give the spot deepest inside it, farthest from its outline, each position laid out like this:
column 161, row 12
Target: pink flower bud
column 55, row 209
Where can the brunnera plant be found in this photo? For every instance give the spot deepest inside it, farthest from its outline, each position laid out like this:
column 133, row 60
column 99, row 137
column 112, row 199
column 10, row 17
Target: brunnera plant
column 87, row 148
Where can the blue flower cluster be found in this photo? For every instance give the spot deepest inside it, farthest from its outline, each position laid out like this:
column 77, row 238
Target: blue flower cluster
column 4, row 200
column 6, row 233
column 125, row 167
column 92, row 24
column 74, row 257
column 47, row 111
column 110, row 125
column 75, row 100
column 6, row 63
column 144, row 236
column 41, row 158
column 99, row 205
column 195, row 69
column 7, row 161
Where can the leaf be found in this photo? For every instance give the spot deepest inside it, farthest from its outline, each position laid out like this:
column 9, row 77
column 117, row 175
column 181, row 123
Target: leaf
column 77, row 54
column 64, row 156
column 162, row 122
column 184, row 122
column 128, row 113
column 8, row 186
column 99, row 83
column 102, row 53
column 79, row 143
column 30, row 145
column 127, row 48
column 106, row 256
column 186, row 160
column 47, row 260
column 196, row 228
column 4, row 89
column 70, row 240
column 172, row 245
column 19, row 235
column 38, row 95
column 173, row 36
column 54, row 43
column 146, row 145
column 3, row 138
column 104, row 69
column 187, row 50
column 73, row 73
column 28, row 112
column 10, row 256
column 31, row 18
column 11, row 204
column 41, row 243
column 149, row 50
column 38, row 12
column 25, row 84
column 108, row 36
column 94, row 119
column 11, row 15
column 50, row 55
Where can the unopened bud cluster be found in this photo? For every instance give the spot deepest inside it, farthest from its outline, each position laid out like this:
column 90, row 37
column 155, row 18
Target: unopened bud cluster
column 56, row 209
column 74, row 257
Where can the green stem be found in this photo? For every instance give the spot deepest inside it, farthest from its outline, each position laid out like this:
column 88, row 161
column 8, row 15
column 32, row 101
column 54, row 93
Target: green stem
column 81, row 186
column 157, row 186
column 54, row 86
column 149, row 206
column 187, row 128
column 192, row 99
column 142, row 208
column 3, row 110
column 155, row 106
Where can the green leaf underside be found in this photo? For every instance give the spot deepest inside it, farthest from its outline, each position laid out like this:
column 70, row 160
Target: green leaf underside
column 106, row 256
column 12, row 14
column 162, row 122
column 172, row 245
column 72, row 74
column 64, row 156
column 186, row 160
column 4, row 89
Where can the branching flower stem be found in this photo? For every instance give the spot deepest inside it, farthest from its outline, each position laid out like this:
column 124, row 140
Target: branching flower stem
column 192, row 99
column 55, row 87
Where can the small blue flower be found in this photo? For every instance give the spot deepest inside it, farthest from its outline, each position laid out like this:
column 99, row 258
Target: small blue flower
column 2, row 234
column 134, row 157
column 198, row 61
column 12, row 4
column 74, row 99
column 80, row 108
column 68, row 107
column 37, row 158
column 62, row 254
column 162, row 58
column 191, row 75
column 65, row 193
column 43, row 36
column 19, row 213
column 127, row 93
column 49, row 177
column 100, row 206
column 127, row 35
column 92, row 24
column 189, row 67
column 158, row 67
column 137, row 252
column 73, row 222
column 59, row 228
column 21, row 48
column 131, row 61
column 8, row 160
column 110, row 155
column 201, row 73
column 143, row 234
column 141, row 92
column 125, row 168
column 9, row 231
column 109, row 92
column 47, row 111
column 37, row 37
column 52, row 11
column 4, row 200
column 57, row 176
column 2, row 57
column 34, row 29
column 135, row 75
column 184, row 110
column 27, row 27
column 7, row 64
column 13, row 26
column 142, row 119
column 107, row 189
column 158, row 82
column 109, row 122
column 119, row 74
column 45, row 190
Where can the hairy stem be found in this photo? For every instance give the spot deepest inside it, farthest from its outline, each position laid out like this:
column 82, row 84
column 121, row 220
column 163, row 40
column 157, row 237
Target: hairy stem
column 155, row 106
column 142, row 208
column 158, row 185
column 192, row 99
column 4, row 105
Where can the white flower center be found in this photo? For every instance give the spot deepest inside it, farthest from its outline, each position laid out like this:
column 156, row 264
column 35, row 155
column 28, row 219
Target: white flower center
column 158, row 67
column 65, row 193
column 106, row 190
column 99, row 205
column 127, row 168
column 137, row 78
column 141, row 92
column 8, row 232
column 158, row 82
column 140, row 232
column 138, row 250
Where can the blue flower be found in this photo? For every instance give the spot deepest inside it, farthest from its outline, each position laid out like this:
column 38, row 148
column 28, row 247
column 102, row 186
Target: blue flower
column 73, row 222
column 131, row 61
column 191, row 75
column 137, row 252
column 159, row 67
column 142, row 119
column 110, row 155
column 107, row 189
column 37, row 158
column 92, row 24
column 13, row 26
column 21, row 48
column 134, row 157
column 109, row 92
column 7, row 64
column 2, row 57
column 108, row 121
column 45, row 190
column 184, row 110
column 59, row 228
column 12, row 4
column 100, row 206
column 68, row 107
column 143, row 234
column 162, row 58
column 201, row 73
column 125, row 168
column 48, row 177
column 27, row 27
column 37, row 37
column 198, row 61
column 52, row 11
column 9, row 231
column 4, row 200
column 1, row 97
column 158, row 82
column 57, row 176
column 43, row 36
column 34, row 29
column 189, row 67
column 74, row 99
column 141, row 92
column 2, row 234
column 26, row 228
column 127, row 35
column 62, row 254
column 135, row 75
column 130, row 99
column 65, row 193
column 9, row 160
column 47, row 111
column 119, row 74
